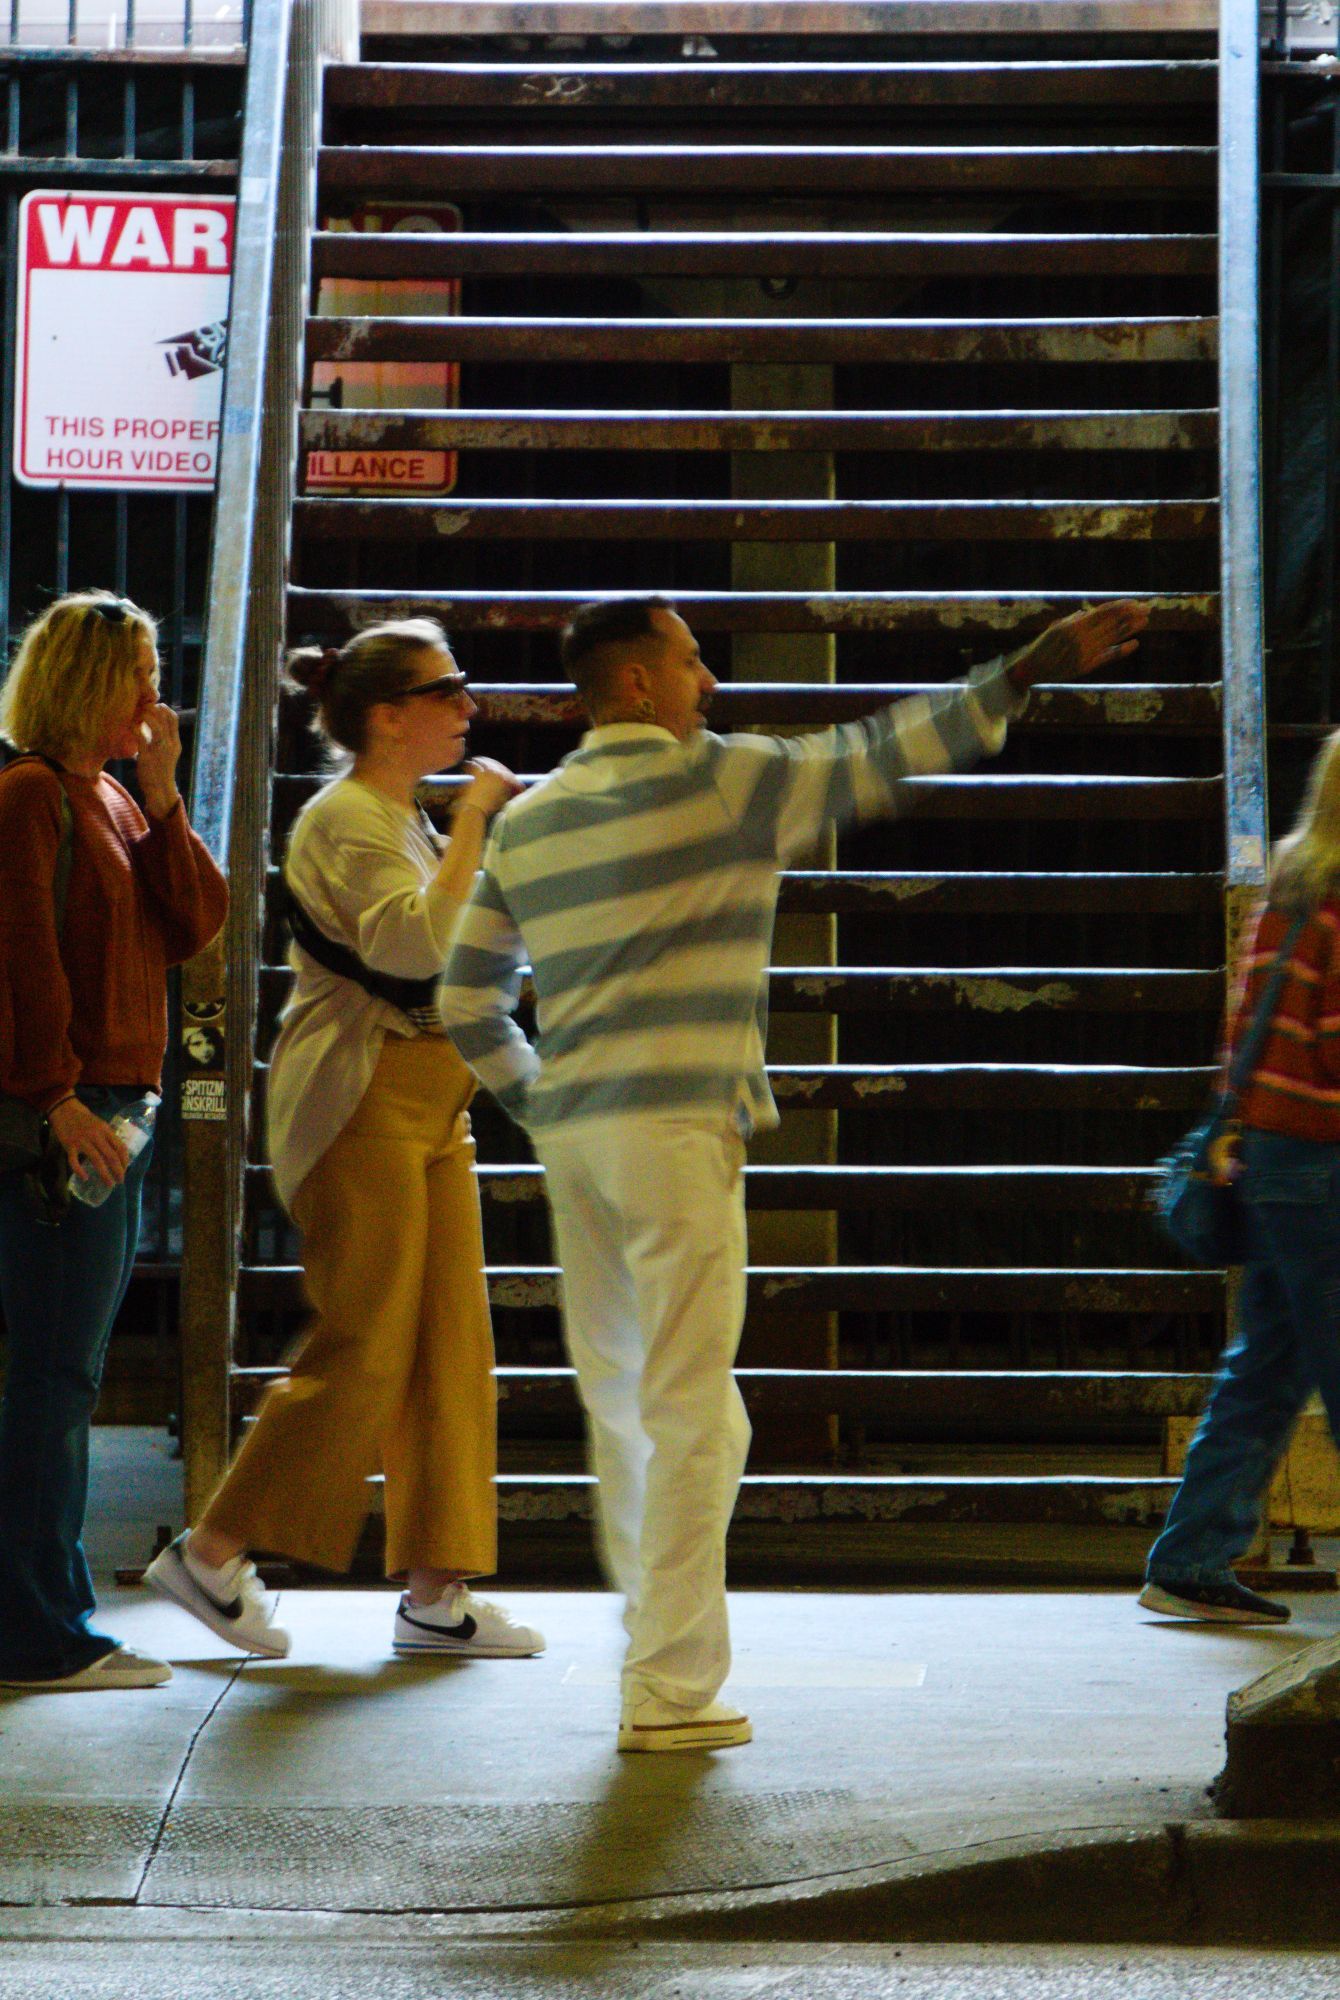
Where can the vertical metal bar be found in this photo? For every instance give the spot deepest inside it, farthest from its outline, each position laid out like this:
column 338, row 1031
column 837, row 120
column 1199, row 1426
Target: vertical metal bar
column 188, row 22
column 62, row 540
column 130, row 24
column 8, row 335
column 1240, row 445
column 72, row 27
column 1328, row 543
column 121, row 558
column 9, row 309
column 188, row 119
column 72, row 115
column 1272, row 339
column 129, row 108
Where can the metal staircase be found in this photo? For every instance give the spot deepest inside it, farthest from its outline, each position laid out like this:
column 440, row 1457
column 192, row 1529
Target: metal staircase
column 978, row 298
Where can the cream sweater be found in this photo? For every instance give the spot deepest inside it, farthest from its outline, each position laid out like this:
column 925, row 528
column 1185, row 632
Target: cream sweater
column 364, row 869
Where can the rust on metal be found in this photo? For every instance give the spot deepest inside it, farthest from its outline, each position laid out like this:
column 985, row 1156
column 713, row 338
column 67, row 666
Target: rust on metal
column 771, row 521
column 473, row 338
column 968, row 615
column 1008, row 1086
column 832, row 1288
column 743, row 253
column 1017, row 893
column 760, row 430
column 455, row 171
column 500, row 86
column 750, row 705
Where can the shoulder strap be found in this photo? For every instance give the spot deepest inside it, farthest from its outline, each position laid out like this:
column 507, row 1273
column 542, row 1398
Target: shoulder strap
column 1253, row 1042
column 410, row 995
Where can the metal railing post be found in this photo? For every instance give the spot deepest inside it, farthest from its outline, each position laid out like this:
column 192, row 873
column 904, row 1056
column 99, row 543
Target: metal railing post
column 239, row 675
column 1240, row 458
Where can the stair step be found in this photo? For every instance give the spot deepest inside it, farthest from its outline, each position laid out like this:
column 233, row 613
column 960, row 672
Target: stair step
column 789, row 1499
column 1017, row 893
column 694, row 169
column 967, row 616
column 438, row 521
column 462, row 337
column 869, row 1189
column 1144, row 706
column 1038, row 1401
column 760, row 430
column 834, row 1288
column 972, row 797
column 809, row 253
column 579, row 87
column 845, row 892
column 1009, row 990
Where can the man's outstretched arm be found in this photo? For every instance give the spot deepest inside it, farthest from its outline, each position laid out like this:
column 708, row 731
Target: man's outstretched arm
column 806, row 783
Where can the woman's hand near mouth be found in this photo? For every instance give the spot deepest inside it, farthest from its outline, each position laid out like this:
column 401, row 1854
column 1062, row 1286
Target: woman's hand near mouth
column 160, row 748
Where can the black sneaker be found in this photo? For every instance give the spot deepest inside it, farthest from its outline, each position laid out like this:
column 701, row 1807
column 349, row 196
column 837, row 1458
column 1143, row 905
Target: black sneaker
column 1216, row 1603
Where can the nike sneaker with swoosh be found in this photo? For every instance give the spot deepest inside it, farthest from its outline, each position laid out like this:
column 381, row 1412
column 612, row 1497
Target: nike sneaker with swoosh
column 463, row 1624
column 229, row 1600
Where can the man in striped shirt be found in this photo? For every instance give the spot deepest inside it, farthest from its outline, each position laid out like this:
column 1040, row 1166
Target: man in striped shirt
column 639, row 882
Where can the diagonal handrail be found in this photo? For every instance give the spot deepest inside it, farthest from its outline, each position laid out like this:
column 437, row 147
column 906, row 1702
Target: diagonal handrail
column 290, row 40
column 1240, row 459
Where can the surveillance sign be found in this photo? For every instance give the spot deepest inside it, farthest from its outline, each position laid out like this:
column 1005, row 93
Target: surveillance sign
column 122, row 338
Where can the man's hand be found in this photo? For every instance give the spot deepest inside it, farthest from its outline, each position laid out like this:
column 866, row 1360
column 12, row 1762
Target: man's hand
column 1081, row 644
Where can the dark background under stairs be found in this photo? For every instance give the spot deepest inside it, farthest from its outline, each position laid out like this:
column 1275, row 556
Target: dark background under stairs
column 1011, row 1327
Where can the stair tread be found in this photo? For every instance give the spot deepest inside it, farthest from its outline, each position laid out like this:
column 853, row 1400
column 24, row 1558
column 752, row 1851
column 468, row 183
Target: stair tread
column 1140, row 338
column 775, row 520
column 550, row 85
column 711, row 430
column 966, row 613
column 731, row 253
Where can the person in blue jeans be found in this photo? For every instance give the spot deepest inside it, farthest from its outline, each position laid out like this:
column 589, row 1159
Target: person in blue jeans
column 83, row 1026
column 1286, row 1161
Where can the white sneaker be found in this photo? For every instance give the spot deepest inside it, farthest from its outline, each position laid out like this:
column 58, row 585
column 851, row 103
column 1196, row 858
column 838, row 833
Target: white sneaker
column 123, row 1667
column 228, row 1599
column 651, row 1724
column 462, row 1623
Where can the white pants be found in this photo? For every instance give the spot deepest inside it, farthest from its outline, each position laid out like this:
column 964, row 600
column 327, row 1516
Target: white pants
column 649, row 1221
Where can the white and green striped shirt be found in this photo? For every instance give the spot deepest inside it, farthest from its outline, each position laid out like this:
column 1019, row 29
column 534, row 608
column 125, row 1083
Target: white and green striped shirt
column 639, row 881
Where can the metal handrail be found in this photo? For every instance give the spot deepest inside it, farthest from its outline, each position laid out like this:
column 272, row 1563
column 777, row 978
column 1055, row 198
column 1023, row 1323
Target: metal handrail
column 290, row 40
column 1240, row 457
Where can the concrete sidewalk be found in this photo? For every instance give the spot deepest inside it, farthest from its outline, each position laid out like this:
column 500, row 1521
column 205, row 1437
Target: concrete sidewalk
column 891, row 1729
column 344, row 1822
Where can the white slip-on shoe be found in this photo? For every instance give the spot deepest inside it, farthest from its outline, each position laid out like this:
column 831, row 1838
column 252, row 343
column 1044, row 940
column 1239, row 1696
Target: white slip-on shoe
column 465, row 1625
column 229, row 1600
column 663, row 1725
column 123, row 1667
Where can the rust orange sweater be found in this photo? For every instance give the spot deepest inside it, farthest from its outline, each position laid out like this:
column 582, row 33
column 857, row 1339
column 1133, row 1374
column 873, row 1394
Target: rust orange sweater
column 143, row 895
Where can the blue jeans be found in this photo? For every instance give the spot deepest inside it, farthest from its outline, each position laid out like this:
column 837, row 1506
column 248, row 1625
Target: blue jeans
column 1288, row 1344
column 61, row 1288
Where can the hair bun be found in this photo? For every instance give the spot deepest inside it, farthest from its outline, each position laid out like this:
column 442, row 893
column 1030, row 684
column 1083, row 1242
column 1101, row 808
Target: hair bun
column 312, row 666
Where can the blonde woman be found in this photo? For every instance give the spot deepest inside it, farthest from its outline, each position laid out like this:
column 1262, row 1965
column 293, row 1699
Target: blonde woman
column 372, row 1154
column 83, row 1026
column 1287, row 1164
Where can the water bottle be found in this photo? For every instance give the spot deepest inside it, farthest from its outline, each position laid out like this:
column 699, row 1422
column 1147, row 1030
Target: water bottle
column 134, row 1127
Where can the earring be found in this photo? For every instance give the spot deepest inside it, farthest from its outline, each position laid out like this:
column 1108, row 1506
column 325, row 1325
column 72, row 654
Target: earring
column 645, row 710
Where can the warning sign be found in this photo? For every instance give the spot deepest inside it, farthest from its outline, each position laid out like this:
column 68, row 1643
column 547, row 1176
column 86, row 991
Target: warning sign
column 122, row 336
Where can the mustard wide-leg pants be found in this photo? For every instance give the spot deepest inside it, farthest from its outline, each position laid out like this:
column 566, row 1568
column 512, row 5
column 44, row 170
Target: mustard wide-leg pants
column 395, row 1374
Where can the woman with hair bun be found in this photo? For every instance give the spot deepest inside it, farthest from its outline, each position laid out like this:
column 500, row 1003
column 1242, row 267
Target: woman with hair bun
column 372, row 1155
column 97, row 899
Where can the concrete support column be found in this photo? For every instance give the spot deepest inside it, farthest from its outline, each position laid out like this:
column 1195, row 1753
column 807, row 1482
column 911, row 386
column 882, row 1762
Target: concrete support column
column 791, row 1340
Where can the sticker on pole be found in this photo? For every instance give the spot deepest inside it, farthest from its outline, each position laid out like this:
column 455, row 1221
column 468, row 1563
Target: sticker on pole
column 122, row 336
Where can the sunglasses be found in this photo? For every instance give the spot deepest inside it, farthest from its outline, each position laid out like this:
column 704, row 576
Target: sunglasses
column 114, row 609
column 447, row 687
